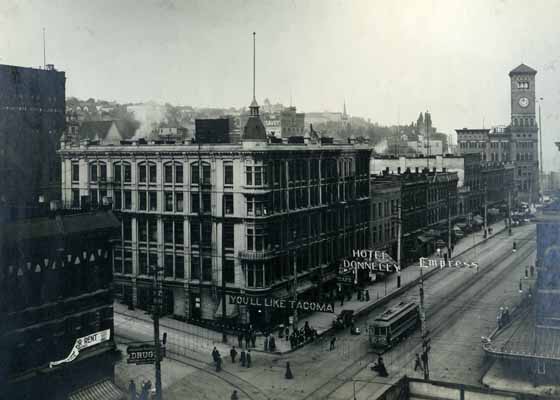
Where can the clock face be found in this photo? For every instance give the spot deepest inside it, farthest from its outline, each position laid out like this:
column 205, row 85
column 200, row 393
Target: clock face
column 524, row 102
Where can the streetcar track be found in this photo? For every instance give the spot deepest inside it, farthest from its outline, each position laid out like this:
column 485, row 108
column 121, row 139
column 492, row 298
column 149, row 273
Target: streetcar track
column 355, row 367
column 203, row 367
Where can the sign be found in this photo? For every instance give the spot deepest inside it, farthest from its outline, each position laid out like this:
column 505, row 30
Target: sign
column 84, row 343
column 143, row 354
column 345, row 279
column 371, row 260
column 281, row 303
column 434, row 263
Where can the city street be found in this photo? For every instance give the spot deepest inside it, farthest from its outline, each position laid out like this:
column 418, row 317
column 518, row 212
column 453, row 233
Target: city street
column 461, row 307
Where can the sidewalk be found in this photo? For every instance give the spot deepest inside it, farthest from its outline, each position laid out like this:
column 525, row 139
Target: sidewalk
column 203, row 340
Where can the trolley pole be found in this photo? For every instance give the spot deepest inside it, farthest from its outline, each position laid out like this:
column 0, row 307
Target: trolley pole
column 399, row 244
column 485, row 211
column 158, row 295
column 294, row 322
column 448, row 220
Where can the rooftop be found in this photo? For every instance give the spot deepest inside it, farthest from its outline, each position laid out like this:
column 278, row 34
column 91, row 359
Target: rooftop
column 522, row 69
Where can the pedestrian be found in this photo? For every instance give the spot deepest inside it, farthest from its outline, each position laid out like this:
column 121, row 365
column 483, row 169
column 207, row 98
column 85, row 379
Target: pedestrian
column 233, row 354
column 253, row 339
column 266, row 343
column 132, row 390
column 144, row 392
column 272, row 344
column 418, row 362
column 247, row 339
column 218, row 363
column 215, row 354
column 242, row 358
column 234, row 395
column 248, row 358
column 367, row 295
column 240, row 340
column 333, row 340
column 288, row 374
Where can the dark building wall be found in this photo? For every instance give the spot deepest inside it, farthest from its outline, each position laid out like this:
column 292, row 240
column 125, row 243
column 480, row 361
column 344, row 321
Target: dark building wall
column 55, row 282
column 32, row 120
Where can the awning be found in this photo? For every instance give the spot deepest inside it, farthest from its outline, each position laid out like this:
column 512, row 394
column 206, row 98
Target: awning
column 105, row 390
column 425, row 238
column 493, row 211
column 232, row 310
column 461, row 225
column 305, row 286
column 478, row 220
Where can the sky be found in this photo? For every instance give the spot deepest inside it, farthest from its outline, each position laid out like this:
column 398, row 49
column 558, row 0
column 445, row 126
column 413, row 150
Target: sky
column 389, row 60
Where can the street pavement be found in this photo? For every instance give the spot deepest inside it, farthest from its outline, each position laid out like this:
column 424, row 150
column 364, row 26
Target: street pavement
column 315, row 367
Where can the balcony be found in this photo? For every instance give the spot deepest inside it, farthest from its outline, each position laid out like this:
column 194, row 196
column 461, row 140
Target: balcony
column 257, row 255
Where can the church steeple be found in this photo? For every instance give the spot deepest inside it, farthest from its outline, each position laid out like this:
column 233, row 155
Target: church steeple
column 344, row 114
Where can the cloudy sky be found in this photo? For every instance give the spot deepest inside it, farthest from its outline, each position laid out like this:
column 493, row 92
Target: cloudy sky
column 389, row 59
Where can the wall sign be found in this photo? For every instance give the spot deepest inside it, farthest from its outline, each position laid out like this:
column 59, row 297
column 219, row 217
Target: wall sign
column 281, row 304
column 84, row 343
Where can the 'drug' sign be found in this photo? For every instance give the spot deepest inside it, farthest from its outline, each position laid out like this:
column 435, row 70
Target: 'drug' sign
column 281, row 304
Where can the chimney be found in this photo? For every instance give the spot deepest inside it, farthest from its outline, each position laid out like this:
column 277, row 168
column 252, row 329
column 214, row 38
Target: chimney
column 416, row 169
column 434, row 170
column 399, row 170
column 444, row 169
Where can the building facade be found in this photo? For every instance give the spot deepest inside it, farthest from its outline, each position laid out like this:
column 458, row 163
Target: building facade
column 32, row 120
column 385, row 200
column 516, row 143
column 238, row 216
column 55, row 280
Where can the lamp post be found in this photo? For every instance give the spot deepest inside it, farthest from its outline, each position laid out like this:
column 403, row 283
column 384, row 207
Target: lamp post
column 294, row 252
column 541, row 161
column 157, row 301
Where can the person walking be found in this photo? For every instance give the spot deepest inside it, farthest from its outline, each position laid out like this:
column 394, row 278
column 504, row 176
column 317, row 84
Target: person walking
column 234, row 395
column 333, row 340
column 132, row 390
column 248, row 358
column 288, row 374
column 418, row 363
column 215, row 354
column 218, row 363
column 233, row 354
column 242, row 358
column 266, row 343
column 253, row 339
column 272, row 344
column 240, row 340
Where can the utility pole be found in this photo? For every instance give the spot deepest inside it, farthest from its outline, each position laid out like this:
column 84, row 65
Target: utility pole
column 448, row 220
column 399, row 240
column 485, row 210
column 425, row 339
column 157, row 301
column 541, row 161
column 294, row 321
column 509, row 210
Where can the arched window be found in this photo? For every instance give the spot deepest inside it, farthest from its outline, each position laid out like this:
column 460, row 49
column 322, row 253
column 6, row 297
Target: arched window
column 173, row 173
column 200, row 174
column 147, row 172
column 122, row 172
column 97, row 171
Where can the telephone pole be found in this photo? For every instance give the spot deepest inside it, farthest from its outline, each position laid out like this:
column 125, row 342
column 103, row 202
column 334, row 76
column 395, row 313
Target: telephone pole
column 485, row 210
column 399, row 240
column 157, row 302
column 448, row 220
column 294, row 321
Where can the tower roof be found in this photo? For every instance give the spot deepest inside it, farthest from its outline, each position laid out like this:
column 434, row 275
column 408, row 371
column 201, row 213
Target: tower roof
column 522, row 69
column 254, row 130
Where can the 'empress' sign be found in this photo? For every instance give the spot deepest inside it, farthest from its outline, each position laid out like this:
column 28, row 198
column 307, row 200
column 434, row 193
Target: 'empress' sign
column 431, row 263
column 281, row 303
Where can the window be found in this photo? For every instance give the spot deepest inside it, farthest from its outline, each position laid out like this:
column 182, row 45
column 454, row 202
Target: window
column 127, row 199
column 179, row 173
column 206, row 234
column 228, row 236
column 117, row 204
column 128, row 262
column 127, row 229
column 75, row 172
column 142, row 173
column 228, row 203
column 206, row 269
column 229, row 271
column 93, row 172
column 127, row 172
column 228, row 174
column 168, row 201
column 206, row 174
column 522, row 85
column 195, row 233
column 75, row 198
column 256, row 238
column 179, row 267
column 168, row 173
column 178, row 202
column 173, row 173
column 195, row 203
column 195, row 267
column 249, row 175
column 142, row 200
column 168, row 232
column 168, row 265
column 152, row 230
column 195, row 178
column 153, row 173
column 93, row 195
column 206, row 203
column 117, row 261
column 153, row 201
column 117, row 172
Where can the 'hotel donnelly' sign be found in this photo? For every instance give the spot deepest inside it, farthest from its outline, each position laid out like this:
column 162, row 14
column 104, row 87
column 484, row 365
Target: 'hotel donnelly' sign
column 281, row 304
column 371, row 260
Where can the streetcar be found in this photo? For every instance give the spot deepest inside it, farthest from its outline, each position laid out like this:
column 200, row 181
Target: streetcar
column 394, row 324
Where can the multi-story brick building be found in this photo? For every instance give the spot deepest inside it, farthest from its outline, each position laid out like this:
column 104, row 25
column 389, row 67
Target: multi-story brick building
column 385, row 199
column 55, row 284
column 32, row 118
column 238, row 216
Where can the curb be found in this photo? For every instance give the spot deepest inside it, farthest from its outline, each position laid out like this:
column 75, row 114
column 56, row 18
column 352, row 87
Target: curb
column 384, row 300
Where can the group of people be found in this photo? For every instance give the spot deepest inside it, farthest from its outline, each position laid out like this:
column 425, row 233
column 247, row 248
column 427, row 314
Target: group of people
column 245, row 358
column 303, row 335
column 269, row 343
column 380, row 367
column 144, row 391
column 250, row 337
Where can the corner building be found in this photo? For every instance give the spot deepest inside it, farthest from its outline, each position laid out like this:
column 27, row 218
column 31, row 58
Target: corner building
column 243, row 215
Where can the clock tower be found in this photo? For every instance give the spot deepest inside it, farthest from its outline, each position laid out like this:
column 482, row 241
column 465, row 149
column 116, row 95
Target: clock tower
column 524, row 133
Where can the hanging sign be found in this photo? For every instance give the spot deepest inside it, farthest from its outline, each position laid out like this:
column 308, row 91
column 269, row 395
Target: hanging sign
column 281, row 303
column 84, row 343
